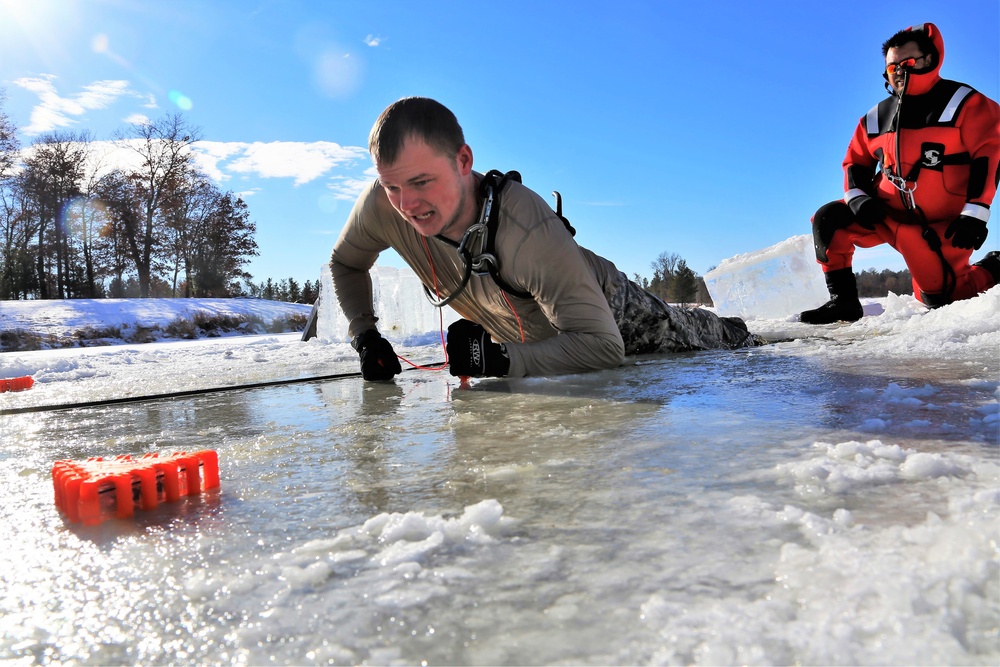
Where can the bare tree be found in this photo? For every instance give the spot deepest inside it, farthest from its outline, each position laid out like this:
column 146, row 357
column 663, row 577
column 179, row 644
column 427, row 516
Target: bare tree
column 52, row 176
column 8, row 141
column 89, row 222
column 122, row 201
column 664, row 269
column 187, row 223
column 165, row 164
column 17, row 229
column 15, row 255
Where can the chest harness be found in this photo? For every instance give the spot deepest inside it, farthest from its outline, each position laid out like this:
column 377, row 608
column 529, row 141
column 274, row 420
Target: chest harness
column 948, row 97
column 477, row 249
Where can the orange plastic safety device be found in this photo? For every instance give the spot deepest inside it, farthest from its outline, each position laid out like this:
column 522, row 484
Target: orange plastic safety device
column 16, row 384
column 94, row 490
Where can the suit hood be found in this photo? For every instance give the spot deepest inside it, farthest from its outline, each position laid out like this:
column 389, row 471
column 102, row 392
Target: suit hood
column 923, row 80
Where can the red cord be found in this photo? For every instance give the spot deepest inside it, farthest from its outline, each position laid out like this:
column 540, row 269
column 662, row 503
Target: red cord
column 513, row 310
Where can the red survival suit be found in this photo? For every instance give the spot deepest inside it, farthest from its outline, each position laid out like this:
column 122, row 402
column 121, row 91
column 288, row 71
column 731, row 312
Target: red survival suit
column 948, row 151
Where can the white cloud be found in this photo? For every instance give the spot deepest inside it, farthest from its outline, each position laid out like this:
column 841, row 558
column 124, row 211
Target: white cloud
column 348, row 188
column 102, row 157
column 137, row 119
column 208, row 154
column 220, row 160
column 373, row 41
column 303, row 162
column 55, row 111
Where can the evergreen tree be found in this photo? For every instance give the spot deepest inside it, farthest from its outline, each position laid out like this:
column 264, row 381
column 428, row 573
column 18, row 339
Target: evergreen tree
column 294, row 291
column 684, row 286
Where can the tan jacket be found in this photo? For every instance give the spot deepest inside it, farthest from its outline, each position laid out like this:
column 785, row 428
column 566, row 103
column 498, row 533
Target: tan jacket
column 568, row 325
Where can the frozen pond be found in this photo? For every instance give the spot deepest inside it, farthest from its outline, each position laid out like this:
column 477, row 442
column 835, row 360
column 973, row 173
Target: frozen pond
column 717, row 508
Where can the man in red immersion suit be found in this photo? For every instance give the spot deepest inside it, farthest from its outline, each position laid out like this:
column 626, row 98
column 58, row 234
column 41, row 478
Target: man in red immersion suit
column 920, row 174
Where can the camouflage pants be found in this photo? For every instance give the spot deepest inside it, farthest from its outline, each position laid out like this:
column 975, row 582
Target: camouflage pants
column 648, row 324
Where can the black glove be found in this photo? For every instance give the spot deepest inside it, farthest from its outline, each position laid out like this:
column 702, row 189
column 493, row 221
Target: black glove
column 867, row 211
column 472, row 353
column 378, row 360
column 969, row 232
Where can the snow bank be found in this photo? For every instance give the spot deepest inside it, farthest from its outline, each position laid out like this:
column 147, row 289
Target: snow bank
column 899, row 326
column 60, row 322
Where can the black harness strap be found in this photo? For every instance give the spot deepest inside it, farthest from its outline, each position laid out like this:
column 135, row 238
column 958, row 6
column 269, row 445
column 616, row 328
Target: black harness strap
column 484, row 260
column 488, row 262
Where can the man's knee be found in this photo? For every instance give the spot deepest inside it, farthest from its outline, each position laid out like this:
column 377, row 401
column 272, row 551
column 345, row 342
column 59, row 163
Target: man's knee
column 827, row 220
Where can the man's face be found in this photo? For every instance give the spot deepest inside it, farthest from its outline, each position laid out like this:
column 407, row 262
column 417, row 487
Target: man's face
column 431, row 190
column 896, row 55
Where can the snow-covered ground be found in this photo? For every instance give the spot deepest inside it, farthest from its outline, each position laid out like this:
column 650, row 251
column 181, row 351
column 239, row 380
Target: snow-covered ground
column 832, row 498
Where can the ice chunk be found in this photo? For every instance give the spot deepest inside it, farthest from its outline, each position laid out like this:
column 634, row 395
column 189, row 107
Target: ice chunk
column 400, row 305
column 773, row 283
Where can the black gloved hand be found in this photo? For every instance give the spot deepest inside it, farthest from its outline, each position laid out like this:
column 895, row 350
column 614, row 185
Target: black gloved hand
column 968, row 232
column 378, row 360
column 472, row 353
column 868, row 211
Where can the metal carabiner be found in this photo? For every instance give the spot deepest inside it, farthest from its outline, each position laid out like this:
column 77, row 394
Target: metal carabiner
column 478, row 227
column 905, row 189
column 478, row 261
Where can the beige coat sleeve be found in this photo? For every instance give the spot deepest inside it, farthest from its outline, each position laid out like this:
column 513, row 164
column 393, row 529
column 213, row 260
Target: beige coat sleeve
column 567, row 283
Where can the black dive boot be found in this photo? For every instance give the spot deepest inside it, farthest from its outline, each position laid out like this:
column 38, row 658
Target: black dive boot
column 843, row 306
column 992, row 264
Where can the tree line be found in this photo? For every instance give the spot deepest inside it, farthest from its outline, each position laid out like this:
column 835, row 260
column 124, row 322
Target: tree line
column 675, row 282
column 74, row 227
column 285, row 290
column 872, row 283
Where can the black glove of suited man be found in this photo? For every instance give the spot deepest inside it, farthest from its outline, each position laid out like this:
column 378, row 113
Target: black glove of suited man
column 967, row 232
column 378, row 359
column 867, row 211
column 472, row 353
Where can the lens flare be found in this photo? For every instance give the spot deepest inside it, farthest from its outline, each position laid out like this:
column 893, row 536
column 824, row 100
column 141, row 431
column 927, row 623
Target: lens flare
column 336, row 73
column 83, row 218
column 99, row 43
column 182, row 101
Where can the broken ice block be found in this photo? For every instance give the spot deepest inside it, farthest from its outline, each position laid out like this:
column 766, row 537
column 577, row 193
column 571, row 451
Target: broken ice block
column 773, row 283
column 400, row 305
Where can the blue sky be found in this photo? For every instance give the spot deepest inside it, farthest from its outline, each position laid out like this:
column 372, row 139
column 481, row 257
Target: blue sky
column 706, row 129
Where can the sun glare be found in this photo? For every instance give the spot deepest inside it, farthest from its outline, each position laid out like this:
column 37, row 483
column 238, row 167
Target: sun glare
column 15, row 10
column 35, row 27
column 99, row 43
column 26, row 18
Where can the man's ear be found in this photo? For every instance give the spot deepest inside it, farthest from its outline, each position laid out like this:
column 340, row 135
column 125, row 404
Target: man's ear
column 464, row 160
